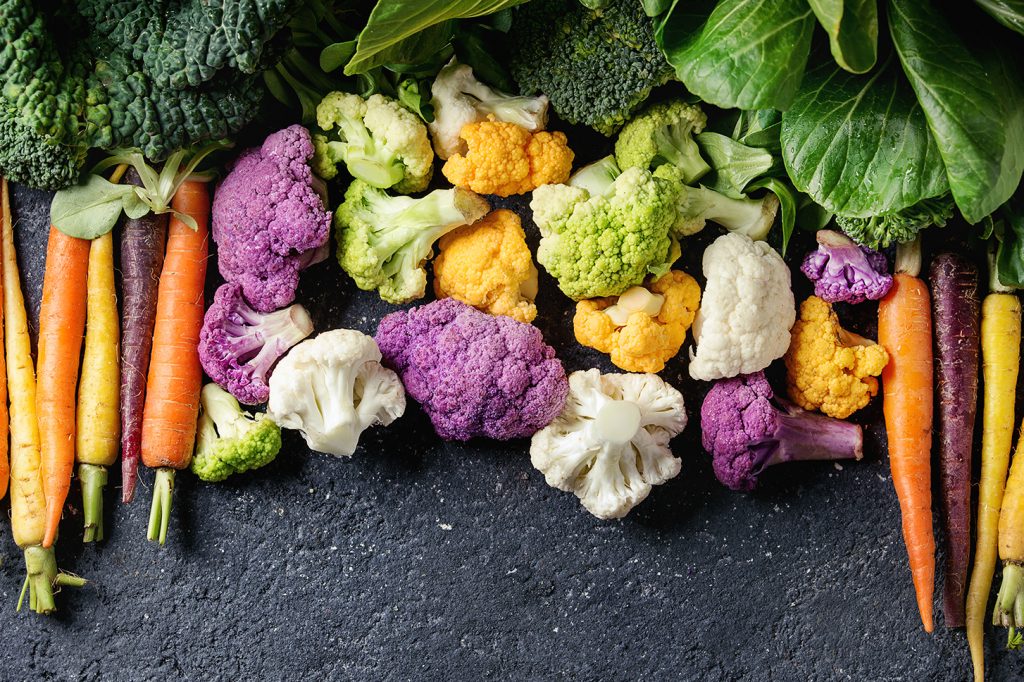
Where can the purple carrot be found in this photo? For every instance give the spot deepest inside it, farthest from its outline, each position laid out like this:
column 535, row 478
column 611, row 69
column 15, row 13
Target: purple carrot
column 956, row 308
column 142, row 257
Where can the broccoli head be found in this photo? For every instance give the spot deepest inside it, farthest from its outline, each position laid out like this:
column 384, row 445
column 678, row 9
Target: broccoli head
column 746, row 429
column 383, row 241
column 230, row 441
column 238, row 346
column 474, row 374
column 880, row 231
column 380, row 142
column 605, row 232
column 663, row 133
column 596, row 66
column 31, row 159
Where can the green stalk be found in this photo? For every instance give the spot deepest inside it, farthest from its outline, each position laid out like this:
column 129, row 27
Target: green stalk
column 41, row 579
column 94, row 479
column 160, row 512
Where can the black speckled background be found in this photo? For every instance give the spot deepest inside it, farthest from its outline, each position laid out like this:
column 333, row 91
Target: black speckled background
column 418, row 559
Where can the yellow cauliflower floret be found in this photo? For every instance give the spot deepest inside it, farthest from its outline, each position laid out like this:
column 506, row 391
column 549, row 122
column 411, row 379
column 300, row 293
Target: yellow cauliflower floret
column 640, row 331
column 505, row 158
column 829, row 368
column 488, row 265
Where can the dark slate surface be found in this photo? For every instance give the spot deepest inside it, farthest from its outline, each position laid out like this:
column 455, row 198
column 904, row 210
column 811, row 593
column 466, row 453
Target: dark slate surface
column 423, row 560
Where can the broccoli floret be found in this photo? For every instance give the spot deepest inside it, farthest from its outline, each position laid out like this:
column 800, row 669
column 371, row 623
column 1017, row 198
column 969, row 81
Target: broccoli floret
column 230, row 441
column 30, row 159
column 379, row 141
column 596, row 66
column 663, row 133
column 880, row 231
column 383, row 240
column 603, row 233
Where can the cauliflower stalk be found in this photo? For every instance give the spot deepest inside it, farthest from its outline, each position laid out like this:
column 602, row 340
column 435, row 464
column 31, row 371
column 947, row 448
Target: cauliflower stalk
column 843, row 271
column 379, row 141
column 230, row 441
column 610, row 444
column 383, row 241
column 663, row 134
column 829, row 368
column 606, row 231
column 747, row 312
column 505, row 158
column 332, row 388
column 488, row 265
column 644, row 327
column 459, row 99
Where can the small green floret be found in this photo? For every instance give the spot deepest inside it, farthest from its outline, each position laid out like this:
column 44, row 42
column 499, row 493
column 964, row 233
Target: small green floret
column 383, row 241
column 880, row 231
column 229, row 440
column 663, row 133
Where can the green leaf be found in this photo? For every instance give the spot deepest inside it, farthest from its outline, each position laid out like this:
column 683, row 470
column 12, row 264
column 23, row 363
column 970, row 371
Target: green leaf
column 89, row 210
column 1009, row 13
column 397, row 27
column 653, row 8
column 734, row 164
column 1008, row 226
column 748, row 54
column 852, row 27
column 860, row 145
column 336, row 55
column 974, row 102
column 787, row 205
column 415, row 95
column 134, row 204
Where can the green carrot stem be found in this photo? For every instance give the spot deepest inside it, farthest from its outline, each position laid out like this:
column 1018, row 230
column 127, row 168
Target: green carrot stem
column 94, row 479
column 160, row 512
column 42, row 576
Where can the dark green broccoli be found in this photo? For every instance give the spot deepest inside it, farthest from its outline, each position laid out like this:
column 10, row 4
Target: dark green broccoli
column 880, row 231
column 596, row 66
column 28, row 158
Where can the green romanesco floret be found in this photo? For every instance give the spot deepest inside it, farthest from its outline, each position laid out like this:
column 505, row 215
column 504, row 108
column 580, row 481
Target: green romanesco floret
column 605, row 232
column 696, row 205
column 663, row 134
column 230, row 441
column 30, row 159
column 596, row 66
column 880, row 231
column 383, row 241
column 379, row 141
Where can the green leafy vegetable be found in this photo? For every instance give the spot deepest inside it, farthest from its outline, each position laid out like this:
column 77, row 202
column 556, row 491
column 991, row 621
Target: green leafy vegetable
column 787, row 205
column 734, row 163
column 860, row 145
column 91, row 209
column 852, row 27
column 1009, row 13
column 974, row 104
column 653, row 8
column 1008, row 228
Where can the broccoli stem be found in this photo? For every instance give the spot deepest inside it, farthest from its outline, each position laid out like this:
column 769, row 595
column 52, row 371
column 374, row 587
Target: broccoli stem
column 750, row 217
column 94, row 479
column 676, row 145
column 160, row 512
column 41, row 577
column 805, row 436
column 1009, row 609
column 598, row 177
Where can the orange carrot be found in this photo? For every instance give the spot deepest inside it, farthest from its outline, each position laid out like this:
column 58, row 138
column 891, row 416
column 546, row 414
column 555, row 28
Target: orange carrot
column 61, row 327
column 905, row 330
column 175, row 376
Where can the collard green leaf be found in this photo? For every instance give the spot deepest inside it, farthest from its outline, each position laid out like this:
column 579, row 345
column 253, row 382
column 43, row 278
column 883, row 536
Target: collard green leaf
column 860, row 145
column 1009, row 13
column 852, row 27
column 748, row 54
column 733, row 163
column 407, row 31
column 88, row 210
column 653, row 8
column 787, row 205
column 974, row 103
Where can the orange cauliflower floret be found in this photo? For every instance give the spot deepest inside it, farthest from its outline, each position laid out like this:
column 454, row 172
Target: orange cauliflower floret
column 488, row 265
column 829, row 368
column 644, row 327
column 505, row 158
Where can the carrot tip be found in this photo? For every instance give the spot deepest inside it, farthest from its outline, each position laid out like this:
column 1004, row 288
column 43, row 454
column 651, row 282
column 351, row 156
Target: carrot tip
column 94, row 479
column 160, row 512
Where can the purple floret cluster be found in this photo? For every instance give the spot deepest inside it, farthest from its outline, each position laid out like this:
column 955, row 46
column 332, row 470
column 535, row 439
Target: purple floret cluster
column 473, row 373
column 747, row 429
column 844, row 272
column 269, row 220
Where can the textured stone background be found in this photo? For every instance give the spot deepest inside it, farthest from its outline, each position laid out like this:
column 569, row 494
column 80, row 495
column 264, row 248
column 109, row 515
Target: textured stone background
column 423, row 560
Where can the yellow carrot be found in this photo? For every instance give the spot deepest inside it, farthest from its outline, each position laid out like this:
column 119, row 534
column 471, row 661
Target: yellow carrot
column 98, row 417
column 1000, row 353
column 1009, row 609
column 28, row 504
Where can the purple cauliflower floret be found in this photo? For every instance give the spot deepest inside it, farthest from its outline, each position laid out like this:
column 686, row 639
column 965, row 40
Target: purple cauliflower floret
column 746, row 430
column 473, row 373
column 238, row 346
column 269, row 219
column 845, row 272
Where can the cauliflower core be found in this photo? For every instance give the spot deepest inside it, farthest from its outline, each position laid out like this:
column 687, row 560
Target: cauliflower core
column 609, row 445
column 488, row 265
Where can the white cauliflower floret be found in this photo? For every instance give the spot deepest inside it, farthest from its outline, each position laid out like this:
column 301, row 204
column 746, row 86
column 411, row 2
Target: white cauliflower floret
column 746, row 312
column 332, row 388
column 610, row 444
column 459, row 99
